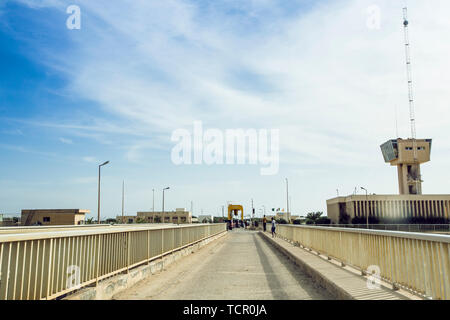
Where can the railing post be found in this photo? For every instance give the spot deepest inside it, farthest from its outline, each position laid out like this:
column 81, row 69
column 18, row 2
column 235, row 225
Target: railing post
column 128, row 251
column 162, row 241
column 50, row 256
column 98, row 259
column 148, row 246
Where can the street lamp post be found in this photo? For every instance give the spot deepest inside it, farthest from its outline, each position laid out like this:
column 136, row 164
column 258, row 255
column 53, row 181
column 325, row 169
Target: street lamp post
column 98, row 202
column 367, row 209
column 153, row 207
column 287, row 195
column 123, row 199
column 163, row 201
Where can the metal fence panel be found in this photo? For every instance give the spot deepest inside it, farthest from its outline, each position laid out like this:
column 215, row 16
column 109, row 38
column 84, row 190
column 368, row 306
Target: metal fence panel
column 418, row 262
column 46, row 263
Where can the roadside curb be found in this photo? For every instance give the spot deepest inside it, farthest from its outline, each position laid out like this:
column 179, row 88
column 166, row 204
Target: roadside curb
column 341, row 283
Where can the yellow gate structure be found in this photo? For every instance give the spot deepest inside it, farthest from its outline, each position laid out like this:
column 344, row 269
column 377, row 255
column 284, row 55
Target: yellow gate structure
column 233, row 210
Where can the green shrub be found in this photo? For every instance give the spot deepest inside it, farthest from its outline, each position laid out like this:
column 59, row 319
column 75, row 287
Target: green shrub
column 323, row 220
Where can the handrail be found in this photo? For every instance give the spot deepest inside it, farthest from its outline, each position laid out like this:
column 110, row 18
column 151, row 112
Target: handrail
column 400, row 234
column 49, row 264
column 418, row 262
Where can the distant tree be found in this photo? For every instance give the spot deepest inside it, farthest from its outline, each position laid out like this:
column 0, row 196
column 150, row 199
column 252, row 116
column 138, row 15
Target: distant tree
column 140, row 220
column 90, row 221
column 323, row 220
column 312, row 217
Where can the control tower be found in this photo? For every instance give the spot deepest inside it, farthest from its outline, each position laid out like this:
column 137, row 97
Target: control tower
column 400, row 152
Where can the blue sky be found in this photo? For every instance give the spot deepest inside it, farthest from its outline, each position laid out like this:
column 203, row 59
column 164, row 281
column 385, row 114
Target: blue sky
column 138, row 70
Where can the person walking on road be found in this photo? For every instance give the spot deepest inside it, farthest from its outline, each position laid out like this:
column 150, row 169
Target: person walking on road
column 273, row 227
column 264, row 223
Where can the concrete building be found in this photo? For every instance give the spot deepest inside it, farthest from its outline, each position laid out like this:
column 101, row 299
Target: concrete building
column 407, row 155
column 286, row 216
column 179, row 216
column 126, row 219
column 53, row 217
column 8, row 220
column 389, row 207
column 206, row 218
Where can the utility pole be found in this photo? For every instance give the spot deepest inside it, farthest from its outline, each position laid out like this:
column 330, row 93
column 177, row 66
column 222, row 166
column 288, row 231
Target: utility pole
column 153, row 207
column 163, row 201
column 98, row 201
column 367, row 209
column 123, row 198
column 287, row 200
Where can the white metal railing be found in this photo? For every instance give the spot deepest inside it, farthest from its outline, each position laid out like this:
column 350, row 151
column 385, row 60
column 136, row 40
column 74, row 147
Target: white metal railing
column 442, row 228
column 418, row 262
column 49, row 264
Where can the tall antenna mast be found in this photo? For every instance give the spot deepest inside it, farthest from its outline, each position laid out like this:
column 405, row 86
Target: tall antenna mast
column 410, row 89
column 410, row 86
column 396, row 123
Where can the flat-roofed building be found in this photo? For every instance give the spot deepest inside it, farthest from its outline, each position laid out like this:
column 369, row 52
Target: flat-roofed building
column 179, row 216
column 126, row 219
column 206, row 218
column 389, row 207
column 56, row 217
column 410, row 205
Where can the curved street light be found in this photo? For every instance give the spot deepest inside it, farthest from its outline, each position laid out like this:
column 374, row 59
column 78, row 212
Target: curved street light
column 367, row 209
column 163, row 200
column 98, row 201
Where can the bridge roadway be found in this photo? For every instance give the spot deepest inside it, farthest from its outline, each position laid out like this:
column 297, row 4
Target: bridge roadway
column 240, row 265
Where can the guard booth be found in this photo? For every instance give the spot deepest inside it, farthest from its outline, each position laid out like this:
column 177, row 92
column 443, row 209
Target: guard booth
column 234, row 219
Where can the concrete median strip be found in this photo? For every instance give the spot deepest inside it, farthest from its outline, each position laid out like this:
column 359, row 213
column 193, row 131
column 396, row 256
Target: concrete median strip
column 341, row 283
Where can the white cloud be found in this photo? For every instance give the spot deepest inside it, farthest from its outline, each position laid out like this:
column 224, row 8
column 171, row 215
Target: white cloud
column 66, row 141
column 329, row 83
column 90, row 159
